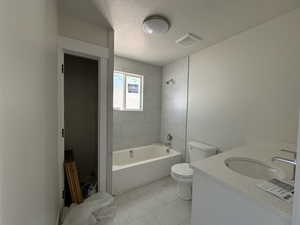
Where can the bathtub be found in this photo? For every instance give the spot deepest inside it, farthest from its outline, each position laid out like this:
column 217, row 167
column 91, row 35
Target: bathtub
column 135, row 167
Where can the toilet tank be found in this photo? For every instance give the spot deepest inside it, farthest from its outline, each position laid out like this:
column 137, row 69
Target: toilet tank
column 198, row 151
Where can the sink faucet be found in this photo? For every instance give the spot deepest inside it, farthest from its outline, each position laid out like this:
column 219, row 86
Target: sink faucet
column 292, row 162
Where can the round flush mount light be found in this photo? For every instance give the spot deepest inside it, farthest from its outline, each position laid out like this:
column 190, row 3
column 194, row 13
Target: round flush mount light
column 156, row 24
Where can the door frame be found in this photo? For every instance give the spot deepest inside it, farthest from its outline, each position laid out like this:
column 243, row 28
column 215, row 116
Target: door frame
column 296, row 206
column 102, row 55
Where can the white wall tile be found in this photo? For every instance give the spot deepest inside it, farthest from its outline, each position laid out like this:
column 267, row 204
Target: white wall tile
column 174, row 103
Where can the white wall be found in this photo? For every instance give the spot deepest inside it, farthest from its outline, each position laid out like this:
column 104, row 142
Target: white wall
column 247, row 88
column 28, row 109
column 71, row 26
column 132, row 129
column 174, row 103
column 75, row 28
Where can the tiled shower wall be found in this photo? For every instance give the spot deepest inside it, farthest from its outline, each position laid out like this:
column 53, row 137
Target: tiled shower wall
column 133, row 129
column 174, row 103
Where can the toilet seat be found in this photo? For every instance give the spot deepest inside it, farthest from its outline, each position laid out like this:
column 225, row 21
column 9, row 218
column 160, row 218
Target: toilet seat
column 182, row 172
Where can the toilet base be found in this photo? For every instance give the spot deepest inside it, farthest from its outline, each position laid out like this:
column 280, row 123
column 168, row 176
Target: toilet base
column 184, row 191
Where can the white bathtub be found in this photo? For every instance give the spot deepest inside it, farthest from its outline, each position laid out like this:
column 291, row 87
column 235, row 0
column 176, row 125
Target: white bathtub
column 135, row 167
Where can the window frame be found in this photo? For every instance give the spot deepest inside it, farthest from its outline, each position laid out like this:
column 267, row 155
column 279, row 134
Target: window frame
column 124, row 109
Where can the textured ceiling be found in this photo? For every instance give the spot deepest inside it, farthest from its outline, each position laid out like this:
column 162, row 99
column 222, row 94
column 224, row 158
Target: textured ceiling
column 212, row 20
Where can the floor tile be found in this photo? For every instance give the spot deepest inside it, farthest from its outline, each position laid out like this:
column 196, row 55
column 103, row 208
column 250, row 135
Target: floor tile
column 153, row 204
column 176, row 212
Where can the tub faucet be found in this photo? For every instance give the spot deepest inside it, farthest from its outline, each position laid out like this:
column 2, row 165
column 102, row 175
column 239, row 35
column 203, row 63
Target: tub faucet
column 292, row 162
column 169, row 140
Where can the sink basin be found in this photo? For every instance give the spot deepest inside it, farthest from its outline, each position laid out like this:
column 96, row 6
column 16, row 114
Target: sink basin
column 253, row 168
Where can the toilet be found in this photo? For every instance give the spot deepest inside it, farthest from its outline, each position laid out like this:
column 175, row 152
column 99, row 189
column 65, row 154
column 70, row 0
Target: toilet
column 182, row 173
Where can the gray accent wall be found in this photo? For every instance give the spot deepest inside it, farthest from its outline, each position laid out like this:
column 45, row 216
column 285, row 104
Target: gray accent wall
column 133, row 129
column 174, row 103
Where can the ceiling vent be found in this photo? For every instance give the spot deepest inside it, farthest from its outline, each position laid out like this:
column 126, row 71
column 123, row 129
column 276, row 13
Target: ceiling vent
column 188, row 40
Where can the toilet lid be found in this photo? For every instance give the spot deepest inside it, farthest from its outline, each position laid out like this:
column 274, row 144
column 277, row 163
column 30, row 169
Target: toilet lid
column 182, row 169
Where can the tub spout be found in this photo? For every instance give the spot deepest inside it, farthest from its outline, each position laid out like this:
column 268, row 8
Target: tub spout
column 131, row 154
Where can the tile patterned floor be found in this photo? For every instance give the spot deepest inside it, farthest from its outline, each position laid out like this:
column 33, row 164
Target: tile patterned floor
column 153, row 204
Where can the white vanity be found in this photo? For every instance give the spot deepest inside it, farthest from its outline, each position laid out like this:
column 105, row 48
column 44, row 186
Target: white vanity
column 225, row 189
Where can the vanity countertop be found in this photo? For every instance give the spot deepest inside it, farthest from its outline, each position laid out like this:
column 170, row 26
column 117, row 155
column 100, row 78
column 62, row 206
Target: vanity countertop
column 215, row 167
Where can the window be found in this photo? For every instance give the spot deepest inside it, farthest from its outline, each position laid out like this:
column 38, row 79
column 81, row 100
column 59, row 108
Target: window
column 128, row 92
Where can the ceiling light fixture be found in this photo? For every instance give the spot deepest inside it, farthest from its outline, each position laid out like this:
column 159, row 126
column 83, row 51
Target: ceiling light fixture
column 156, row 24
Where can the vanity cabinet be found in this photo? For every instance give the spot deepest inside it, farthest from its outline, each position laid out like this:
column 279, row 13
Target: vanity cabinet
column 216, row 203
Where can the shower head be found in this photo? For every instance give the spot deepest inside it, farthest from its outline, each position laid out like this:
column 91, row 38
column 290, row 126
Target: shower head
column 171, row 81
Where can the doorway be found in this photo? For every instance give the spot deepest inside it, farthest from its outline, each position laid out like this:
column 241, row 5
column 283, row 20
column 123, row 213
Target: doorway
column 81, row 120
column 102, row 62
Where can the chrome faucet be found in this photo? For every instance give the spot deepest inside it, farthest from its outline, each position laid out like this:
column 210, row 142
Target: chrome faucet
column 292, row 162
column 169, row 141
